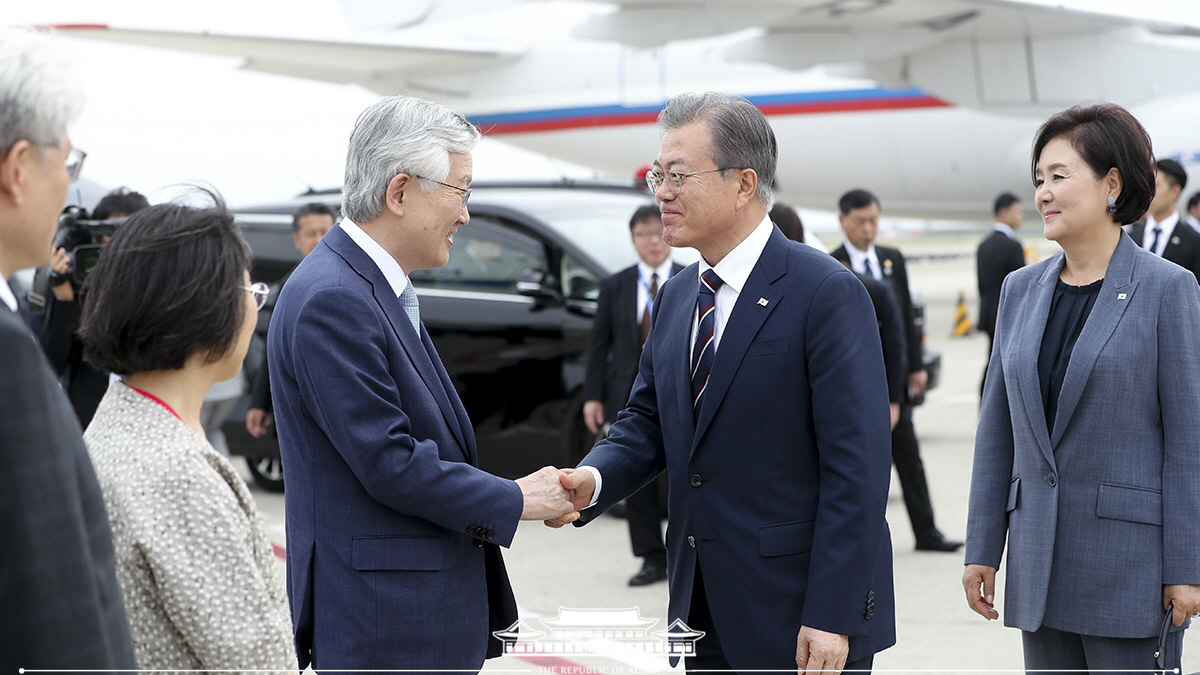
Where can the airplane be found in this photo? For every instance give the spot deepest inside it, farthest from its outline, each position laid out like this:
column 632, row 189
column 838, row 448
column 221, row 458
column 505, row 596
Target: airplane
column 931, row 104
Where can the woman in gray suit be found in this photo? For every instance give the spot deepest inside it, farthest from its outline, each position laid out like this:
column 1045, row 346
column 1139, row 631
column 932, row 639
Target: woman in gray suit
column 170, row 307
column 1087, row 455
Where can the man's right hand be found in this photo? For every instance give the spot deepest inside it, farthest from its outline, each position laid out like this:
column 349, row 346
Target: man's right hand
column 582, row 485
column 546, row 497
column 60, row 262
column 979, row 581
column 257, row 420
column 593, row 415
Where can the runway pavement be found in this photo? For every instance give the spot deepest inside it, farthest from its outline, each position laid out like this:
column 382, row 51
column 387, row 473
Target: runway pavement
column 587, row 568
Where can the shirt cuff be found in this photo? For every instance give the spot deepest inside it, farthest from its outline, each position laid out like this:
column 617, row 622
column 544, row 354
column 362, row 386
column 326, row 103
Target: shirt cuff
column 599, row 482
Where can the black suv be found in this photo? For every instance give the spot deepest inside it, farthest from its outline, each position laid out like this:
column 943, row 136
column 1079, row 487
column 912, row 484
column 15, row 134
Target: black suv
column 509, row 314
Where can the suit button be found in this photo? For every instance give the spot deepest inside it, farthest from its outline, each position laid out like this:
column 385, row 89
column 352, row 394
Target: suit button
column 870, row 595
column 1051, row 479
column 691, row 541
column 696, row 480
column 868, row 614
column 477, row 543
column 474, row 529
column 489, row 535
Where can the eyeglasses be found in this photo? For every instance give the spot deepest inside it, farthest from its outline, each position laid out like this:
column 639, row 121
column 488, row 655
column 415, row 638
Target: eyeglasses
column 674, row 179
column 75, row 163
column 466, row 192
column 260, row 292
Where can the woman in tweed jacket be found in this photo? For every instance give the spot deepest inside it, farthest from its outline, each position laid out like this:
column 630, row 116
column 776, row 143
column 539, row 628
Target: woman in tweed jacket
column 168, row 307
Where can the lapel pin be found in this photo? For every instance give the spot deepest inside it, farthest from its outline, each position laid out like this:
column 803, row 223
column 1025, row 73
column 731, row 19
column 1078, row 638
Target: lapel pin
column 1175, row 240
column 762, row 301
column 1120, row 296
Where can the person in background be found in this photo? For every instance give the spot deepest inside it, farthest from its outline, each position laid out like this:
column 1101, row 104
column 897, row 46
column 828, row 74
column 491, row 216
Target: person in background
column 84, row 384
column 859, row 218
column 623, row 316
column 310, row 223
column 1193, row 211
column 999, row 254
column 1086, row 468
column 61, row 604
column 1160, row 231
column 169, row 306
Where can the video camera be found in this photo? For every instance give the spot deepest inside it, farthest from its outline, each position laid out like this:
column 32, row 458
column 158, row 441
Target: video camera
column 80, row 236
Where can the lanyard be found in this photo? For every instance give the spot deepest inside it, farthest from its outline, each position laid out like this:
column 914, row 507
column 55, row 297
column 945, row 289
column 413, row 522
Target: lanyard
column 649, row 297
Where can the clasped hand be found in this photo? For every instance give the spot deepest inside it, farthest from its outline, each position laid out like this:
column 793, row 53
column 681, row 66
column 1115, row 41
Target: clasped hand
column 550, row 495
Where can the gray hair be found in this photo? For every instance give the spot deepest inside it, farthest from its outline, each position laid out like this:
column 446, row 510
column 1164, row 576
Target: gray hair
column 741, row 136
column 39, row 96
column 400, row 134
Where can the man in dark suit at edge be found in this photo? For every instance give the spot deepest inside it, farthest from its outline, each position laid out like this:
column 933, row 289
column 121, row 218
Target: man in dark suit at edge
column 761, row 392
column 999, row 253
column 62, row 607
column 614, row 346
column 858, row 214
column 1161, row 232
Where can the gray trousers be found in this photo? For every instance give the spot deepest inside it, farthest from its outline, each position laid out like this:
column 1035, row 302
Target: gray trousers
column 1047, row 649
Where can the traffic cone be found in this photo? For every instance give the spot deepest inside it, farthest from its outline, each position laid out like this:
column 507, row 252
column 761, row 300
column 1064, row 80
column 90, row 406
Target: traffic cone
column 962, row 318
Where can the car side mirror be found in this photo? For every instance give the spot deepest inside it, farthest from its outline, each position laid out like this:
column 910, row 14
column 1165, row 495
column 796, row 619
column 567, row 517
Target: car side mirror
column 534, row 284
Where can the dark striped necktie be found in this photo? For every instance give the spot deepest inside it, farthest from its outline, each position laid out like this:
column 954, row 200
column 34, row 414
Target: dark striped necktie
column 705, row 348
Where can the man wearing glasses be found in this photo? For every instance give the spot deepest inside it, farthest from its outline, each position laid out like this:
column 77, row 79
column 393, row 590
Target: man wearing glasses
column 761, row 392
column 62, row 608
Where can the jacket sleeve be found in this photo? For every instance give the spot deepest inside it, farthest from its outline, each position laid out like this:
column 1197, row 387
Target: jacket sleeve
column 891, row 334
column 600, row 341
column 1179, row 398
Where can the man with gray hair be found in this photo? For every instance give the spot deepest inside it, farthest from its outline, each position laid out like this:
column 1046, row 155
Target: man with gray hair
column 62, row 606
column 393, row 531
column 761, row 392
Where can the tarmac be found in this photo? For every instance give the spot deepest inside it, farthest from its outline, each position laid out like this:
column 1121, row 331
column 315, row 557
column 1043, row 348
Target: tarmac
column 587, row 568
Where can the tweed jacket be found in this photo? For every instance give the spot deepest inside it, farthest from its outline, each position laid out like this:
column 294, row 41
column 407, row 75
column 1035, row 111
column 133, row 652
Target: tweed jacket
column 201, row 586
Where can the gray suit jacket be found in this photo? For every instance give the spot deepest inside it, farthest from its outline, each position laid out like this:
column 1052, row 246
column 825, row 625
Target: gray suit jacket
column 1100, row 511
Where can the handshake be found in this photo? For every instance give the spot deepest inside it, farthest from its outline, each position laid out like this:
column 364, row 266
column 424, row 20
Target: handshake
column 556, row 496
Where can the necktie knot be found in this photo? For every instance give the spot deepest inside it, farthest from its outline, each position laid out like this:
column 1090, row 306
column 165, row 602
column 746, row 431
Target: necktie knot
column 710, row 280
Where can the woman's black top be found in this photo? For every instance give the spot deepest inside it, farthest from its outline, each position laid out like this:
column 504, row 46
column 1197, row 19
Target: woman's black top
column 1069, row 311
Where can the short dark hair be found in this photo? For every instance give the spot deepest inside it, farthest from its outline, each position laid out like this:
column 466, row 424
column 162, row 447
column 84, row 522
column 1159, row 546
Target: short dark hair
column 1106, row 136
column 168, row 285
column 1193, row 200
column 788, row 221
column 644, row 213
column 1173, row 170
column 856, row 199
column 122, row 200
column 1005, row 200
column 313, row 209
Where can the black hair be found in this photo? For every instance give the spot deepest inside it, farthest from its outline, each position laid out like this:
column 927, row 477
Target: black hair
column 1173, row 170
column 312, row 209
column 856, row 199
column 1005, row 200
column 788, row 221
column 1106, row 136
column 122, row 200
column 168, row 285
column 644, row 213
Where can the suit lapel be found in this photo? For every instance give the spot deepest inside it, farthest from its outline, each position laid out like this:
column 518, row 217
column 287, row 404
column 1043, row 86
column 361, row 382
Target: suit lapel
column 422, row 361
column 747, row 317
column 1116, row 294
column 1027, row 347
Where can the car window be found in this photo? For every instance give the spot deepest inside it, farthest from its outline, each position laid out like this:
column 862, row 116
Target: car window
column 486, row 257
column 578, row 282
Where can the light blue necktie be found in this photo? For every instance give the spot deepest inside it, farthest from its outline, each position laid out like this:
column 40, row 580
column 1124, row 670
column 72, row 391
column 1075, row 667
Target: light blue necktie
column 408, row 298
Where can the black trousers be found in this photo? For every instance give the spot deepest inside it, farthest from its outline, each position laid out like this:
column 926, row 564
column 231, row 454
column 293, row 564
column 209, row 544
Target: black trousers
column 644, row 512
column 906, row 455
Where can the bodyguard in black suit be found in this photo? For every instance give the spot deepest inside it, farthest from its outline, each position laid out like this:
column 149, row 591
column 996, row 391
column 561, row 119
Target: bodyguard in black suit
column 60, row 605
column 614, row 348
column 1162, row 232
column 999, row 253
column 859, row 218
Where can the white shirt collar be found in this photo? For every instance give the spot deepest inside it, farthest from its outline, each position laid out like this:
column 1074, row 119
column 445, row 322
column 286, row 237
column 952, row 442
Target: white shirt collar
column 736, row 266
column 383, row 260
column 1167, row 224
column 859, row 256
column 663, row 271
column 6, row 295
column 1003, row 227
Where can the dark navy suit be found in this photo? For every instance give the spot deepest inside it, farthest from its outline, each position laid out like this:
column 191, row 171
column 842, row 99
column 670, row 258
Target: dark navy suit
column 778, row 486
column 391, row 528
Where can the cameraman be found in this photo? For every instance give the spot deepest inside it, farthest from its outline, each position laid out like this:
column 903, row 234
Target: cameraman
column 84, row 385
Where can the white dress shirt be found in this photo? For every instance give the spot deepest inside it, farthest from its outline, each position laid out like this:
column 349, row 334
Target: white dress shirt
column 859, row 258
column 1168, row 228
column 734, row 269
column 647, row 273
column 6, row 295
column 391, row 270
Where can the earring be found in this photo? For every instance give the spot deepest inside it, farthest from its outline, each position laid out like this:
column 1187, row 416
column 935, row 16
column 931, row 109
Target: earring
column 1112, row 204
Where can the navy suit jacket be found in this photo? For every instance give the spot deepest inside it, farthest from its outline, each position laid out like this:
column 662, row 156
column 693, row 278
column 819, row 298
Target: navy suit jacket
column 391, row 528
column 778, row 485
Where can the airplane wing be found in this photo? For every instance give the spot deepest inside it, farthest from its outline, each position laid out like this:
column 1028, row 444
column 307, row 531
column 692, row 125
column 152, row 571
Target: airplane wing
column 1000, row 55
column 384, row 68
